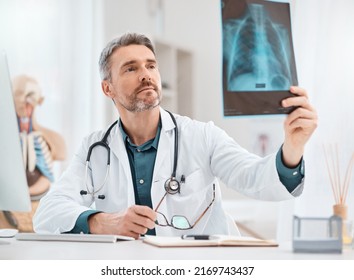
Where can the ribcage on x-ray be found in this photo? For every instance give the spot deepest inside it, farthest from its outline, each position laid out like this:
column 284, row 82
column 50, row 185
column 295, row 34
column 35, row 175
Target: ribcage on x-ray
column 256, row 53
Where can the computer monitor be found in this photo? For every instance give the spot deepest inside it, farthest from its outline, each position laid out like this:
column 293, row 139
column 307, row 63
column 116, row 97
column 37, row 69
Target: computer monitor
column 14, row 193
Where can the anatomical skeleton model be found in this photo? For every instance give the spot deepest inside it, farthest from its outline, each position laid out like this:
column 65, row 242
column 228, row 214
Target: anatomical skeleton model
column 40, row 147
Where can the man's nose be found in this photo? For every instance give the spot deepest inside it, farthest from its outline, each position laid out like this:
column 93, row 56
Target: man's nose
column 145, row 78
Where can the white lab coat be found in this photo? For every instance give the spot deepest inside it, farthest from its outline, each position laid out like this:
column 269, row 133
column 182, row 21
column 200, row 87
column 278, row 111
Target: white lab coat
column 205, row 153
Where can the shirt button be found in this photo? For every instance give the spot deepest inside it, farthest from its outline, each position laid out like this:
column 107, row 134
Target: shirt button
column 141, row 181
column 295, row 173
column 138, row 150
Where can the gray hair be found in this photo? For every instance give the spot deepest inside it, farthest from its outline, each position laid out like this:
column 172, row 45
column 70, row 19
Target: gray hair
column 123, row 41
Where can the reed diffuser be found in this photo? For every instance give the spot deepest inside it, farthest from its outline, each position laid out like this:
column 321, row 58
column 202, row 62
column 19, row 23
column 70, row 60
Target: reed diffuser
column 339, row 187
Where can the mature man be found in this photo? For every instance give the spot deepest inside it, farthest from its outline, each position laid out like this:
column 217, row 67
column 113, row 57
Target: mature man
column 163, row 167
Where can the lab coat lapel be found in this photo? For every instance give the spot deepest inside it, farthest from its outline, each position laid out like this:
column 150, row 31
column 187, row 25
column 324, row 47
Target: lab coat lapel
column 165, row 151
column 118, row 148
column 164, row 160
column 163, row 163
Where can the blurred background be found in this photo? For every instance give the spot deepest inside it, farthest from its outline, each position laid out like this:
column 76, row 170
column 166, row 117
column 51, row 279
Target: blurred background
column 58, row 42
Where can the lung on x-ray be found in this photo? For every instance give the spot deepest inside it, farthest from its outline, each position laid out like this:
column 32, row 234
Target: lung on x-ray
column 258, row 57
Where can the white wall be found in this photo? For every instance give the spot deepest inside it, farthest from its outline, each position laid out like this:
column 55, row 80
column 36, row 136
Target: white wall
column 324, row 40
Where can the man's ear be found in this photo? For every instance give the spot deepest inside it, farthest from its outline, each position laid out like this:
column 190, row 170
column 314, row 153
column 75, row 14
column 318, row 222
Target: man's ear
column 106, row 88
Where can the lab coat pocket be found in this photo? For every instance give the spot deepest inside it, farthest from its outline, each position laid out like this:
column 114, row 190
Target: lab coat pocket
column 195, row 182
column 193, row 198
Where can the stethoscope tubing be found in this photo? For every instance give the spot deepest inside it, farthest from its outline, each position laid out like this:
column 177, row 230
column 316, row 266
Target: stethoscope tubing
column 90, row 189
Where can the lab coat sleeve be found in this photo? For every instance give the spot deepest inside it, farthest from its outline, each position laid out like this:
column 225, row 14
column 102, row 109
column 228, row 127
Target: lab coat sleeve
column 247, row 173
column 59, row 209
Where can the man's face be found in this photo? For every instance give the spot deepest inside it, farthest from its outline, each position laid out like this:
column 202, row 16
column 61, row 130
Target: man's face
column 135, row 78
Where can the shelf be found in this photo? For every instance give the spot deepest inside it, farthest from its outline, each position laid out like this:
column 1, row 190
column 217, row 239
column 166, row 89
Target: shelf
column 175, row 65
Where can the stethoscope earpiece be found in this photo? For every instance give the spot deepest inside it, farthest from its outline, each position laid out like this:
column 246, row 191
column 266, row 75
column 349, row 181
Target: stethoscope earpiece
column 100, row 196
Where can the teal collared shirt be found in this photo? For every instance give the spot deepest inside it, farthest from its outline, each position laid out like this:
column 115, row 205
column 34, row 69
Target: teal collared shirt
column 142, row 162
column 290, row 177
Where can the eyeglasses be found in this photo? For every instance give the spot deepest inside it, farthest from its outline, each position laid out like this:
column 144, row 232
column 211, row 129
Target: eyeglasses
column 178, row 221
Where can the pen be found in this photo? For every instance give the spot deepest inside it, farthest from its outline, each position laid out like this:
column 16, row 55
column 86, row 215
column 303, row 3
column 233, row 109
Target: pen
column 197, row 237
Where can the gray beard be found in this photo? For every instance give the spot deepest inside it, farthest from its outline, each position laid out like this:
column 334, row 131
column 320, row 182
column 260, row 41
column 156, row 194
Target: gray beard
column 137, row 106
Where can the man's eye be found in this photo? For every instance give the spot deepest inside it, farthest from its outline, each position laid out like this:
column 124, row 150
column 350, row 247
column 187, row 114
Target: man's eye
column 130, row 69
column 152, row 66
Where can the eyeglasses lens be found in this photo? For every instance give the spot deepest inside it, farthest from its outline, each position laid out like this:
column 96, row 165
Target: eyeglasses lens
column 180, row 222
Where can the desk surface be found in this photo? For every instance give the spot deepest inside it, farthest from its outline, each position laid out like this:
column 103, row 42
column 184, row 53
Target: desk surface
column 137, row 250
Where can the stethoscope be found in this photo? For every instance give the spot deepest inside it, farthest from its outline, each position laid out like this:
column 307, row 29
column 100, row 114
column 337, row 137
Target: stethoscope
column 172, row 185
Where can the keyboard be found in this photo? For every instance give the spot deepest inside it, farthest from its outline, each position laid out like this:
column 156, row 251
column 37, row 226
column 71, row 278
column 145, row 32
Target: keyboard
column 103, row 238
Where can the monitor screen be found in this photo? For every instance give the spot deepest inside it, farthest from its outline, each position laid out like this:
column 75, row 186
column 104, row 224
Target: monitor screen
column 14, row 193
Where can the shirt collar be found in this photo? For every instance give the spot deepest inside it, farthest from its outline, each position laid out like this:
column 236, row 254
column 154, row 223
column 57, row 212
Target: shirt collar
column 154, row 143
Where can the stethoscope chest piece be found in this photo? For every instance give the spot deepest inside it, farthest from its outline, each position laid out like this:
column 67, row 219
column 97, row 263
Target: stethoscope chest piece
column 172, row 186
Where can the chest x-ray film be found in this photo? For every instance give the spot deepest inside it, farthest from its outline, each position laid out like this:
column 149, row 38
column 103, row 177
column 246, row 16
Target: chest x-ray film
column 258, row 57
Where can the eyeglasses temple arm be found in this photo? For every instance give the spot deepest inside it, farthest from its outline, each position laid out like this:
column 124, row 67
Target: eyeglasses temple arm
column 158, row 205
column 206, row 209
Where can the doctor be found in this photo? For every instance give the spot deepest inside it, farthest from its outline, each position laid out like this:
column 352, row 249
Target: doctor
column 162, row 177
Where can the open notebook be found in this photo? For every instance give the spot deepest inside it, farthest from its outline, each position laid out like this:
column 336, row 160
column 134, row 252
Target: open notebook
column 105, row 238
column 216, row 240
